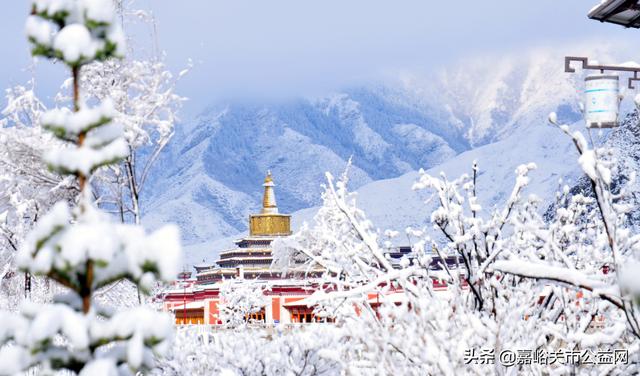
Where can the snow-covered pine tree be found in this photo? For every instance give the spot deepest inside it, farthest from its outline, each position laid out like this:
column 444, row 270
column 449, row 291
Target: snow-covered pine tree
column 81, row 248
column 143, row 93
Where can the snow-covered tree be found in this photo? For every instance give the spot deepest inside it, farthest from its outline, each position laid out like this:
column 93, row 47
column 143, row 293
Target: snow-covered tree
column 550, row 308
column 143, row 93
column 29, row 189
column 81, row 248
column 239, row 299
column 521, row 282
column 412, row 331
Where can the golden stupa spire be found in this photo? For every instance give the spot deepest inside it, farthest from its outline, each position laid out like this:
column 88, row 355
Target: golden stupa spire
column 269, row 222
column 269, row 199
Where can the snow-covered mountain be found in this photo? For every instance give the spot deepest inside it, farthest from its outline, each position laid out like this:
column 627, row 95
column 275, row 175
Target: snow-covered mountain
column 211, row 177
column 624, row 142
column 392, row 204
column 493, row 110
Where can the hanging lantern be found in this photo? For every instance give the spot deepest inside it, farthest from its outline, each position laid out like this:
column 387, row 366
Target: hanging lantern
column 602, row 101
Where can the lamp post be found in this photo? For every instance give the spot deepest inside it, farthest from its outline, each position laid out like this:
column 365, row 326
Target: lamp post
column 602, row 97
column 627, row 68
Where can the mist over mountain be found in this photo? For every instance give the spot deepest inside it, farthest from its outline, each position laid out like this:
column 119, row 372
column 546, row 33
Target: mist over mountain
column 493, row 110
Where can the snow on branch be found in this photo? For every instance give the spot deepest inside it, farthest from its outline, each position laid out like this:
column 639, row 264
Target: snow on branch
column 574, row 278
column 76, row 32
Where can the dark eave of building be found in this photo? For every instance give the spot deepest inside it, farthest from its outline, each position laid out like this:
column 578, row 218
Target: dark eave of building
column 620, row 12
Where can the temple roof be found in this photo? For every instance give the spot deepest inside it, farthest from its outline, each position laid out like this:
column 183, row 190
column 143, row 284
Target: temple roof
column 621, row 12
column 191, row 305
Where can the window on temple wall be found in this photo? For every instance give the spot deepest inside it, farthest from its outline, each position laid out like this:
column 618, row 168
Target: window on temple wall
column 190, row 321
column 192, row 317
column 256, row 317
column 303, row 315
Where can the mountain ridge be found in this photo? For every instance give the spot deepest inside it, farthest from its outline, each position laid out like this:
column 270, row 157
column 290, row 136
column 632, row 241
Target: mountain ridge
column 209, row 180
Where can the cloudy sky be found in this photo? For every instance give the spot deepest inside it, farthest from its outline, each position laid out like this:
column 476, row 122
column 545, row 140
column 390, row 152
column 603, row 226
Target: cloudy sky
column 280, row 48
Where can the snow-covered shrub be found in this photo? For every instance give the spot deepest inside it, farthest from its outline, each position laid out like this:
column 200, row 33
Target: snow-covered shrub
column 312, row 350
column 80, row 247
column 239, row 299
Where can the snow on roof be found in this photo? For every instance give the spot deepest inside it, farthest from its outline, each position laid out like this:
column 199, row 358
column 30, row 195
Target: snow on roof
column 630, row 64
column 217, row 271
column 179, row 290
column 245, row 258
column 301, row 303
column 191, row 289
column 257, row 237
column 246, row 250
column 191, row 305
column 621, row 12
column 593, row 8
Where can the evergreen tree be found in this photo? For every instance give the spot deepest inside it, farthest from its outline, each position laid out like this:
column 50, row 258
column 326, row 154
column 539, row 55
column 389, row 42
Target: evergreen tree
column 81, row 248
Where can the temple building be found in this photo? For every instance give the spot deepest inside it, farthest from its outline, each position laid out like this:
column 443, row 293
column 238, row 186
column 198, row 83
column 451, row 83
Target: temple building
column 199, row 300
column 251, row 258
